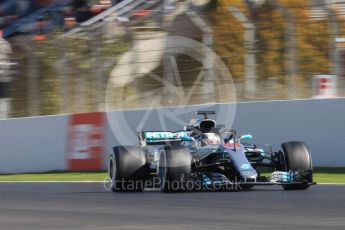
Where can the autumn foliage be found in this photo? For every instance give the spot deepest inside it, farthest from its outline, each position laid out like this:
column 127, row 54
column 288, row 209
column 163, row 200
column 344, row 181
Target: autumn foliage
column 312, row 38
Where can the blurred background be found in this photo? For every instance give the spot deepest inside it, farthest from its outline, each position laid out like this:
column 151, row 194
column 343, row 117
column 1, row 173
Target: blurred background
column 56, row 57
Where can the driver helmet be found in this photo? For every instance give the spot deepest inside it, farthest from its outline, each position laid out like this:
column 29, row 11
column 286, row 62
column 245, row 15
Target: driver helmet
column 210, row 139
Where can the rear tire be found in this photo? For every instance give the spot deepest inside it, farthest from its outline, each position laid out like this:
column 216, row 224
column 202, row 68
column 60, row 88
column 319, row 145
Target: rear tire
column 175, row 165
column 298, row 158
column 127, row 169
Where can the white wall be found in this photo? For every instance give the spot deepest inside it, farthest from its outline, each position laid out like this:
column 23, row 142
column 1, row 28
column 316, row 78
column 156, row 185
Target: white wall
column 38, row 144
column 319, row 122
column 33, row 144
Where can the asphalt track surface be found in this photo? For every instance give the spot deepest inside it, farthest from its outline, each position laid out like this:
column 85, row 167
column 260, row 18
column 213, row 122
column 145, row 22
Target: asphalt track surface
column 88, row 206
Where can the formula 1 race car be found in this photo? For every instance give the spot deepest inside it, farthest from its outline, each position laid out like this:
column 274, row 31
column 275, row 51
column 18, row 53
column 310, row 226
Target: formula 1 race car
column 207, row 156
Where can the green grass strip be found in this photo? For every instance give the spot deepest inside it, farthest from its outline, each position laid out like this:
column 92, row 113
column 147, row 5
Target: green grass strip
column 321, row 175
column 55, row 176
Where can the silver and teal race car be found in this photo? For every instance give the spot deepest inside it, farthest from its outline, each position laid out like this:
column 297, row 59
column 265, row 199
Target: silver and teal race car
column 206, row 156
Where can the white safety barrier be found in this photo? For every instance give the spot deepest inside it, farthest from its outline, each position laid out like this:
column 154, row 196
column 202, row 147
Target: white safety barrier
column 39, row 144
column 33, row 144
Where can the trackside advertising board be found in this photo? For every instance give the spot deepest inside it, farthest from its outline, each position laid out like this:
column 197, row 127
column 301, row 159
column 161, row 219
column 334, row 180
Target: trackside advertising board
column 324, row 86
column 85, row 143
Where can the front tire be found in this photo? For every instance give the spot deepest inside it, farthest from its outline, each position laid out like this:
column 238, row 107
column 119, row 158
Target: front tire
column 298, row 158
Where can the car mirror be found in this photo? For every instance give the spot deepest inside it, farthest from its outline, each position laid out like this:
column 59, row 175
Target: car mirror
column 187, row 138
column 247, row 137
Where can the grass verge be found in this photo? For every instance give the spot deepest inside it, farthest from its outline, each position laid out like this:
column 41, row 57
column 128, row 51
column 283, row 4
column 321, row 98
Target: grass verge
column 55, row 176
column 329, row 175
column 321, row 175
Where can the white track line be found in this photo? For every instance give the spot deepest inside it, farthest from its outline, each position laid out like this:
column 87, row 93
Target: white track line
column 54, row 181
column 330, row 183
column 92, row 181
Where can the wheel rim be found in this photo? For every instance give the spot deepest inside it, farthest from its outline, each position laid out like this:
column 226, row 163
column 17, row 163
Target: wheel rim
column 163, row 170
column 112, row 170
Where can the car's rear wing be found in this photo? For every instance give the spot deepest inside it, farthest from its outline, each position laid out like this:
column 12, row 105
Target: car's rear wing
column 161, row 137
